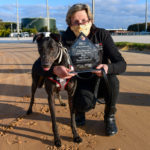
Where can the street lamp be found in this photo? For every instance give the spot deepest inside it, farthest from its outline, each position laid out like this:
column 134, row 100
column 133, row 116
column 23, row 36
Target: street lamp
column 47, row 10
column 17, row 18
column 146, row 9
column 11, row 26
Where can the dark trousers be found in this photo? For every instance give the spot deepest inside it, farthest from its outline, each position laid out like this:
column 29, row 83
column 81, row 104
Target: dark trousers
column 89, row 84
column 110, row 101
column 114, row 90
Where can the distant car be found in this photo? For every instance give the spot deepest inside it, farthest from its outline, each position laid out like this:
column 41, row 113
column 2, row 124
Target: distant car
column 15, row 34
column 24, row 34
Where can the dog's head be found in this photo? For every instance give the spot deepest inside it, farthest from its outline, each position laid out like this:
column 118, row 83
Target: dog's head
column 48, row 48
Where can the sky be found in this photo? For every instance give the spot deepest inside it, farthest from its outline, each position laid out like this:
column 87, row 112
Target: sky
column 109, row 14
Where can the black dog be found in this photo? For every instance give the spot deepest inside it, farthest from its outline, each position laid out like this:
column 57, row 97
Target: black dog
column 40, row 70
column 52, row 53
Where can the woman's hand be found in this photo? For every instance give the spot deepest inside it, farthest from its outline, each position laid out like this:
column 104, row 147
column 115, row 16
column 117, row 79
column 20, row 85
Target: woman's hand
column 99, row 73
column 63, row 72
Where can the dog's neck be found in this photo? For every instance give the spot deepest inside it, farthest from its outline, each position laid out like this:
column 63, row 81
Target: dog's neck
column 62, row 51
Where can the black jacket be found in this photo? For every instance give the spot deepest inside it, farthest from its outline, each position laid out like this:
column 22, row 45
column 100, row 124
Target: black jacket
column 99, row 36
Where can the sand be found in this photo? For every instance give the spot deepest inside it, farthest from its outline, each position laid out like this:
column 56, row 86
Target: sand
column 21, row 132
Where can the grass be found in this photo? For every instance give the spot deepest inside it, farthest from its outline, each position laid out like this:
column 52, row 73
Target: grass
column 132, row 46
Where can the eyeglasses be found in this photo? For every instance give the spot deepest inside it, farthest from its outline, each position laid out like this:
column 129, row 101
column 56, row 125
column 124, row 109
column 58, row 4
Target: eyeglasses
column 77, row 22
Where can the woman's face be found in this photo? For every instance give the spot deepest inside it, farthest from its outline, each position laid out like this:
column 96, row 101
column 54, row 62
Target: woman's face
column 79, row 18
column 80, row 23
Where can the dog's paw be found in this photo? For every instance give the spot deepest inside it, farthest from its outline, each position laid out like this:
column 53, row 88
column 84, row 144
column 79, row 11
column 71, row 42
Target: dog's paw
column 29, row 112
column 58, row 143
column 77, row 139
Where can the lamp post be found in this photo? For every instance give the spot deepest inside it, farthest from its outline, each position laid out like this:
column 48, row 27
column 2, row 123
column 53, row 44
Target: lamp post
column 17, row 19
column 11, row 27
column 93, row 9
column 146, row 9
column 47, row 10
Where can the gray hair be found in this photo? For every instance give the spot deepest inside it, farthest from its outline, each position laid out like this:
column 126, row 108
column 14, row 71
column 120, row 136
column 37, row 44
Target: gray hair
column 75, row 8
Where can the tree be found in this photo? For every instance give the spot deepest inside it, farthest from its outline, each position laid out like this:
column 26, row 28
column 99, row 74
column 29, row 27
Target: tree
column 30, row 30
column 43, row 29
column 4, row 32
column 54, row 30
column 138, row 27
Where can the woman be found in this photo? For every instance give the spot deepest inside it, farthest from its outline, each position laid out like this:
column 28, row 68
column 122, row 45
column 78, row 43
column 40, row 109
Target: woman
column 79, row 19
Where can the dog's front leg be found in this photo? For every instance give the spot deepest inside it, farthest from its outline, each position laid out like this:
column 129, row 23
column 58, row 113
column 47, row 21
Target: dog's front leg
column 76, row 137
column 51, row 103
column 34, row 87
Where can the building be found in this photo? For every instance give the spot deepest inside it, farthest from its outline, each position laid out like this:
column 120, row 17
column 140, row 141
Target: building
column 117, row 31
column 38, row 23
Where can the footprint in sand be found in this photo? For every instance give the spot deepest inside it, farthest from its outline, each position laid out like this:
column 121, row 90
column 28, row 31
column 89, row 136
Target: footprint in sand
column 32, row 123
column 16, row 140
column 44, row 109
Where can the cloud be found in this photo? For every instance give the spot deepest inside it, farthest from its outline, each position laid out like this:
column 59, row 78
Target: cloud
column 7, row 8
column 7, row 12
column 117, row 13
column 108, row 13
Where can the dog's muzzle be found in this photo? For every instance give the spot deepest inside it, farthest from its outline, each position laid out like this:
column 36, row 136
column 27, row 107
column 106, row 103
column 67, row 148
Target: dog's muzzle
column 46, row 63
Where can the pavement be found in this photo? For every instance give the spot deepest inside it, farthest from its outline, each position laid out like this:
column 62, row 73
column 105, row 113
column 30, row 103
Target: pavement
column 116, row 38
column 132, row 38
column 16, row 40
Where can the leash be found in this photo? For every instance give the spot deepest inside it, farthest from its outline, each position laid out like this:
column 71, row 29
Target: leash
column 63, row 50
column 107, row 87
column 61, row 83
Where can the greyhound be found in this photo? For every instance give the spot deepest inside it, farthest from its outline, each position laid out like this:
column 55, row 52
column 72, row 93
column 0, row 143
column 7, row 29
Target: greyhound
column 53, row 53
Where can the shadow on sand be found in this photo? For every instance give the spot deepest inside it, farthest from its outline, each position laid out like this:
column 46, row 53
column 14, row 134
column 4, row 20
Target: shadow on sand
column 97, row 125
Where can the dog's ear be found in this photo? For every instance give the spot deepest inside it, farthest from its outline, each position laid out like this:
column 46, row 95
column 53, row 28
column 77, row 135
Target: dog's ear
column 56, row 37
column 38, row 37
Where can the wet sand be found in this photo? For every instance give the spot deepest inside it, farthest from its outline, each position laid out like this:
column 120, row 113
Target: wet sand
column 21, row 132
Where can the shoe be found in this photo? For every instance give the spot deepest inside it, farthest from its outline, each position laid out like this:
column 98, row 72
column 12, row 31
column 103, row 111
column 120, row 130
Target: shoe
column 110, row 126
column 80, row 119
